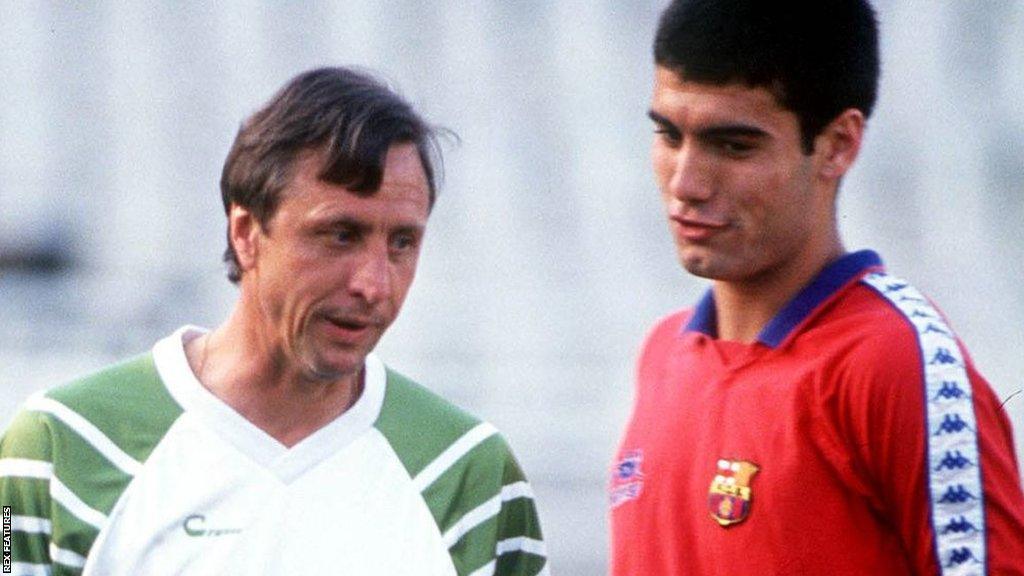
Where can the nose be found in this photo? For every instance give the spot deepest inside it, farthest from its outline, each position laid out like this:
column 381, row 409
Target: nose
column 371, row 279
column 689, row 175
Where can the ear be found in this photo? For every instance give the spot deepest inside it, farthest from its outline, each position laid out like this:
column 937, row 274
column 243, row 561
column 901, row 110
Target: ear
column 839, row 143
column 244, row 233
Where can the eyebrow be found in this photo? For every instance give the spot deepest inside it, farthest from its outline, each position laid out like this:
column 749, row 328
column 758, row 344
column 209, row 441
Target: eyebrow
column 732, row 131
column 715, row 130
column 659, row 119
column 348, row 222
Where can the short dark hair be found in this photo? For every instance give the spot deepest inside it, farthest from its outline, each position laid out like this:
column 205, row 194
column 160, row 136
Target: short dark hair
column 350, row 116
column 818, row 58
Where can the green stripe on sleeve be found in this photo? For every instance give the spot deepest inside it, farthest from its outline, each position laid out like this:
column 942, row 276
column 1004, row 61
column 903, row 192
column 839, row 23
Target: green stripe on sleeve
column 118, row 414
column 26, row 440
column 86, row 472
column 519, row 563
column 89, row 476
column 31, row 548
column 476, row 548
column 26, row 496
column 466, row 498
column 27, row 437
column 470, row 482
column 127, row 402
column 70, row 533
column 62, row 570
column 517, row 518
column 478, row 478
column 417, row 423
column 511, row 471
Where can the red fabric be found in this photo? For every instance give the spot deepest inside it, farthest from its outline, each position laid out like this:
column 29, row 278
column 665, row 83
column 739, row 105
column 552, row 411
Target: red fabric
column 834, row 420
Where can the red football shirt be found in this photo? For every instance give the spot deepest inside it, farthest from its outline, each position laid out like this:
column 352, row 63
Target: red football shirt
column 854, row 437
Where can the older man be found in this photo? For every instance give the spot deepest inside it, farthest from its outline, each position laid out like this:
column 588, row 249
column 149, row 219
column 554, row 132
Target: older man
column 277, row 443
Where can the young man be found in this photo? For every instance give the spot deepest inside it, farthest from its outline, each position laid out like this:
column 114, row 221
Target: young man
column 813, row 414
column 278, row 443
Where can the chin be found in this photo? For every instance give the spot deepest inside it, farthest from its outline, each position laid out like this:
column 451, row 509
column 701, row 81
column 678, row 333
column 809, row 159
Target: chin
column 335, row 367
column 698, row 264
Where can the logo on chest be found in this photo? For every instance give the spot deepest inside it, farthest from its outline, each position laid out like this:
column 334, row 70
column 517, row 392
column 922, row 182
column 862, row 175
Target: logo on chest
column 627, row 479
column 197, row 527
column 729, row 497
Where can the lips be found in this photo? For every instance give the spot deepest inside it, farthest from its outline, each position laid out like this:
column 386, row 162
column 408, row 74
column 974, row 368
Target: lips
column 348, row 329
column 348, row 324
column 695, row 229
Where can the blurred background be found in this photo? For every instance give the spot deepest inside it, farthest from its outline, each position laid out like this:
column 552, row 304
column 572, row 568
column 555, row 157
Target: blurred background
column 547, row 256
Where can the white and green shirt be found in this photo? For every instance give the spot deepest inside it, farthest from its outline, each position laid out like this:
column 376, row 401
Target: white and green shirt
column 138, row 469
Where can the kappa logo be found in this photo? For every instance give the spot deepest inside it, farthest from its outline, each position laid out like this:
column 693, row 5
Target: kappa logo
column 957, row 495
column 729, row 497
column 627, row 479
column 959, row 525
column 950, row 390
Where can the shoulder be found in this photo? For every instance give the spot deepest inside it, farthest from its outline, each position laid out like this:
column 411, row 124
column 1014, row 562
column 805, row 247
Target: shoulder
column 669, row 325
column 923, row 332
column 124, row 407
column 665, row 331
column 408, row 403
column 887, row 353
column 81, row 444
column 883, row 324
column 468, row 478
column 430, row 434
column 132, row 388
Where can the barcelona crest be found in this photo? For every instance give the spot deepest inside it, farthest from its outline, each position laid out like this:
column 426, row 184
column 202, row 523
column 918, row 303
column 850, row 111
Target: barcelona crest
column 729, row 496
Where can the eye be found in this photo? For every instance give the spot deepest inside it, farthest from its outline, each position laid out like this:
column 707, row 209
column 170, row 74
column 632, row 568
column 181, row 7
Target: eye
column 734, row 147
column 345, row 236
column 404, row 241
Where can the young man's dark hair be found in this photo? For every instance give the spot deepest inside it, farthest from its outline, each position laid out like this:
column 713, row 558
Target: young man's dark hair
column 352, row 116
column 815, row 71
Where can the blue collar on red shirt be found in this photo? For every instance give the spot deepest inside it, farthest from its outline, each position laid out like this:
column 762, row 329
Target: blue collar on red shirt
column 825, row 284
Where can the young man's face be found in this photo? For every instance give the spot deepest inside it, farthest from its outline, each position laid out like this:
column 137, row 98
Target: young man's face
column 741, row 197
column 333, row 268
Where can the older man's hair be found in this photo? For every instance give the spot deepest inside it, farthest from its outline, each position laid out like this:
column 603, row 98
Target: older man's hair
column 349, row 117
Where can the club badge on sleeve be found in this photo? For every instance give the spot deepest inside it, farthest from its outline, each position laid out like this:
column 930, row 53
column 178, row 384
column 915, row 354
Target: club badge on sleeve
column 729, row 497
column 627, row 479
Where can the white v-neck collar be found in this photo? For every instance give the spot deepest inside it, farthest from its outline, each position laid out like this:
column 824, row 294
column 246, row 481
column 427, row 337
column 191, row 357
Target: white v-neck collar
column 285, row 463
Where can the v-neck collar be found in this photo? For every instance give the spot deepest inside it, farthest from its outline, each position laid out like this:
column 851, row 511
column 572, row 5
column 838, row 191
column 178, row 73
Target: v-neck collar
column 285, row 463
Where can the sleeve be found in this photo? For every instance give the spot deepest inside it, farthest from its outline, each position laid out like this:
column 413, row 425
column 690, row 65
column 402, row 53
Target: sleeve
column 936, row 454
column 502, row 535
column 25, row 471
column 519, row 548
column 1001, row 482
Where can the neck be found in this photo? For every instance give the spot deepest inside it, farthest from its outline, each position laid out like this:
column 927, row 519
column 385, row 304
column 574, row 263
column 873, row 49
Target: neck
column 744, row 308
column 250, row 373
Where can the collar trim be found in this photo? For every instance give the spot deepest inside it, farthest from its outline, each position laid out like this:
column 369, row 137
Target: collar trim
column 829, row 281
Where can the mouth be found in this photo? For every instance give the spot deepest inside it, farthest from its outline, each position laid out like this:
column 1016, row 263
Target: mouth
column 348, row 324
column 348, row 328
column 696, row 229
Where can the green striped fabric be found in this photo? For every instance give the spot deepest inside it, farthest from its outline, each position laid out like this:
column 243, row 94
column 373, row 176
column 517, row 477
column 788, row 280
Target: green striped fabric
column 69, row 455
column 469, row 479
